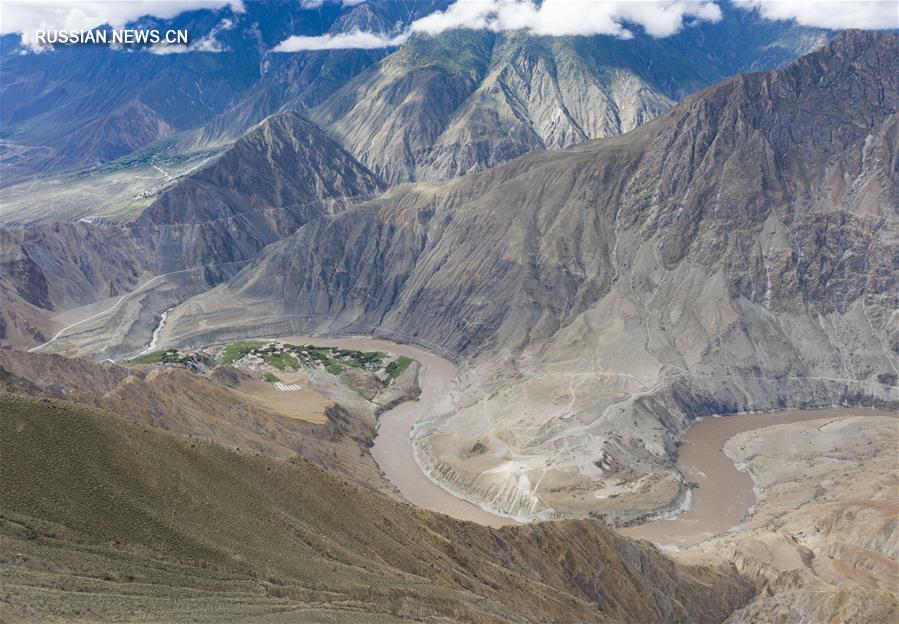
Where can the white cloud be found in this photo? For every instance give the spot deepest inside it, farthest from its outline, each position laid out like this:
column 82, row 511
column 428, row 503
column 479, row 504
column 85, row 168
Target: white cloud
column 208, row 43
column 343, row 41
column 27, row 16
column 659, row 18
column 834, row 14
column 317, row 4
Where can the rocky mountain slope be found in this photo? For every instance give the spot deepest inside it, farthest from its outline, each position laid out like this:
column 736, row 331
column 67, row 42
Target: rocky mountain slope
column 106, row 519
column 467, row 100
column 737, row 253
column 281, row 174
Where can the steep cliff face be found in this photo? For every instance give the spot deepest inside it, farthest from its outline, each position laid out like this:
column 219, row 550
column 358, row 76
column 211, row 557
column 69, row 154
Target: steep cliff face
column 466, row 100
column 280, row 175
column 737, row 253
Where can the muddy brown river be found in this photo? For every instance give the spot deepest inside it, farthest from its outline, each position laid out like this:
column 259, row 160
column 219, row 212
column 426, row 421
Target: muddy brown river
column 392, row 449
column 725, row 493
column 720, row 502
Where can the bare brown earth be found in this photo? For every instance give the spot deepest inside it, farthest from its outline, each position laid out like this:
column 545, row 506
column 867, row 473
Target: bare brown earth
column 104, row 519
column 821, row 542
column 205, row 406
column 307, row 403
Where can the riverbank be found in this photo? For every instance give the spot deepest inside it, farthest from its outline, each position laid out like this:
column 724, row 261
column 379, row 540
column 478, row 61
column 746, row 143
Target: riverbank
column 722, row 493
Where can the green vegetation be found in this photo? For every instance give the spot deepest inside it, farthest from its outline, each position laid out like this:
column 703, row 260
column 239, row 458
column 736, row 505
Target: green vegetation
column 281, row 361
column 156, row 357
column 334, row 368
column 398, row 366
column 237, row 350
column 459, row 52
column 173, row 356
column 346, row 358
column 291, row 357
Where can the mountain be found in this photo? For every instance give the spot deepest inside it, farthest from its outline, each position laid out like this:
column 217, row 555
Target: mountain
column 737, row 253
column 59, row 266
column 281, row 174
column 81, row 107
column 465, row 100
column 437, row 107
column 113, row 520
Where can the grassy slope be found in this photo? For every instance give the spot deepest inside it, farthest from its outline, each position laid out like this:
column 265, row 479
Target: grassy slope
column 106, row 519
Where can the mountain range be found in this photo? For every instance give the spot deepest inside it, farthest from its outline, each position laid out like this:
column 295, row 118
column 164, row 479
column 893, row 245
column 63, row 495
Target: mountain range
column 405, row 113
column 610, row 238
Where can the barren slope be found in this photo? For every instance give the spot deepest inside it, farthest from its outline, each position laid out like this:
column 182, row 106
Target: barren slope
column 104, row 519
column 466, row 100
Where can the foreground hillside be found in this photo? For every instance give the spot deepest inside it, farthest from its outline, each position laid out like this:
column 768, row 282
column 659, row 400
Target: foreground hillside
column 103, row 519
column 735, row 254
column 213, row 406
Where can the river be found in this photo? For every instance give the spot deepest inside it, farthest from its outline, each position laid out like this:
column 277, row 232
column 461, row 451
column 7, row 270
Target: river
column 392, row 449
column 723, row 497
column 725, row 493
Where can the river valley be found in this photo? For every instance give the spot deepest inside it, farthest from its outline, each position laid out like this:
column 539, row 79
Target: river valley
column 721, row 498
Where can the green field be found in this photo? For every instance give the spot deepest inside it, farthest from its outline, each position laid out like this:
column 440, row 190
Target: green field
column 398, row 366
column 281, row 361
column 291, row 357
column 237, row 350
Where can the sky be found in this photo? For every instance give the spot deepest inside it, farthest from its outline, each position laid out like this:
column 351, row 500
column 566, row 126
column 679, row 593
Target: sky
column 659, row 18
